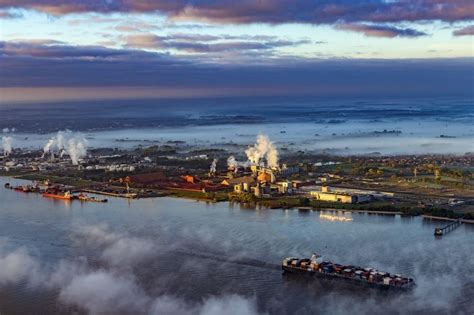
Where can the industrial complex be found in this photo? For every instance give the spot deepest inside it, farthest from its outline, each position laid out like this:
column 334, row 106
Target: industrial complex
column 257, row 175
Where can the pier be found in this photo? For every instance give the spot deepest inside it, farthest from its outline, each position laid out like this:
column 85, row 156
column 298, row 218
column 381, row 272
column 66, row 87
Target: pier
column 448, row 228
column 113, row 194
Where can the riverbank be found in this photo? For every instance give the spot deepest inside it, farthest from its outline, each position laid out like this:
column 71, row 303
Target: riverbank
column 250, row 201
column 364, row 211
column 431, row 217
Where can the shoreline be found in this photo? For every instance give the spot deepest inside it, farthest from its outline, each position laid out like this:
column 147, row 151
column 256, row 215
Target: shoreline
column 431, row 217
column 283, row 203
column 363, row 211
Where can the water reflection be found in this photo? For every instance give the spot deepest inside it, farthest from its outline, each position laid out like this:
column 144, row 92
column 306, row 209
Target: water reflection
column 339, row 216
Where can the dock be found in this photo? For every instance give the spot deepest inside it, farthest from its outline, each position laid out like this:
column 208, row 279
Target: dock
column 447, row 228
column 113, row 194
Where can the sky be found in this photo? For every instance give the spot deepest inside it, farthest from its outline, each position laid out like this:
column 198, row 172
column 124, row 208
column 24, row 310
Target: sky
column 55, row 50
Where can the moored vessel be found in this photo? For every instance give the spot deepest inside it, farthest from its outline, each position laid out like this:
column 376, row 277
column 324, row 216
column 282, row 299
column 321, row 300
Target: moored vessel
column 84, row 197
column 56, row 195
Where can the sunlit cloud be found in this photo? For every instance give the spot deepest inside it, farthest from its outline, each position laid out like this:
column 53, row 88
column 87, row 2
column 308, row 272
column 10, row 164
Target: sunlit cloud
column 381, row 30
column 466, row 31
column 276, row 11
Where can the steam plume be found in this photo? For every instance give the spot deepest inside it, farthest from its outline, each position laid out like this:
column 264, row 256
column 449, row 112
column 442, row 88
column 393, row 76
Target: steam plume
column 262, row 150
column 74, row 144
column 213, row 167
column 233, row 163
column 7, row 144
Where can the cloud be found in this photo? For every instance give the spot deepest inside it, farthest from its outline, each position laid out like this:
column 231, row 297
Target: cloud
column 381, row 30
column 116, row 248
column 52, row 49
column 466, row 31
column 209, row 43
column 103, row 292
column 135, row 27
column 276, row 11
column 98, row 72
column 113, row 288
column 97, row 287
column 18, row 265
column 228, row 304
column 10, row 15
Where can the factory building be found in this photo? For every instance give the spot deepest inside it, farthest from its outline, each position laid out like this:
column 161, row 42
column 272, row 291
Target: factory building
column 284, row 187
column 240, row 184
column 263, row 174
column 286, row 171
column 343, row 197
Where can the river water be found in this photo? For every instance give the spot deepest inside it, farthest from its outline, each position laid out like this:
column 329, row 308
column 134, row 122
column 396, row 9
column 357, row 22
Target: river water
column 169, row 256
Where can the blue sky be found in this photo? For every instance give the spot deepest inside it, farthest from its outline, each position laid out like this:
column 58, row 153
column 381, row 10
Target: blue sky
column 56, row 39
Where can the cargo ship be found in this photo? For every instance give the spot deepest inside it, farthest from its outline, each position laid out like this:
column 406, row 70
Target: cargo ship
column 314, row 266
column 63, row 196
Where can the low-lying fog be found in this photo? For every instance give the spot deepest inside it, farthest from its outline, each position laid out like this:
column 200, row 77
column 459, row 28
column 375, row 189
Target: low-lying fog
column 353, row 137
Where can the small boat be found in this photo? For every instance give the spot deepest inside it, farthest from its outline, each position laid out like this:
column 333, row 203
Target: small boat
column 63, row 196
column 25, row 189
column 85, row 198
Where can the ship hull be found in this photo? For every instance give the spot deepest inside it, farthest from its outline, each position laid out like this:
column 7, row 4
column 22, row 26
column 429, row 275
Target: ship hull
column 338, row 277
column 53, row 196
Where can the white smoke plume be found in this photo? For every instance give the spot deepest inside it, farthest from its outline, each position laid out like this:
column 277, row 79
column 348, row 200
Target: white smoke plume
column 263, row 150
column 7, row 144
column 67, row 142
column 233, row 163
column 77, row 148
column 213, row 167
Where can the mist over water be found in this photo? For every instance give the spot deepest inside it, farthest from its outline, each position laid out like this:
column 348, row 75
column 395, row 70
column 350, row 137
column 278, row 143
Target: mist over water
column 168, row 256
column 402, row 126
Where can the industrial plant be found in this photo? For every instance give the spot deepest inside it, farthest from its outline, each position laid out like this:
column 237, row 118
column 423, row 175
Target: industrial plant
column 258, row 175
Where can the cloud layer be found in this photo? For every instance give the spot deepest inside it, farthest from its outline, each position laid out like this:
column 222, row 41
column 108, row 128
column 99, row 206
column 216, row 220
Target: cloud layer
column 195, row 43
column 381, row 30
column 96, row 69
column 466, row 31
column 117, row 285
column 111, row 285
column 276, row 11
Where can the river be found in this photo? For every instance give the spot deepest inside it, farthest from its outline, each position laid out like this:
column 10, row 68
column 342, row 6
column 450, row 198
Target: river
column 168, row 255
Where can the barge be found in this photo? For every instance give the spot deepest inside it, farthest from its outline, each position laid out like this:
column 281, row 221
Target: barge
column 315, row 267
column 85, row 198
